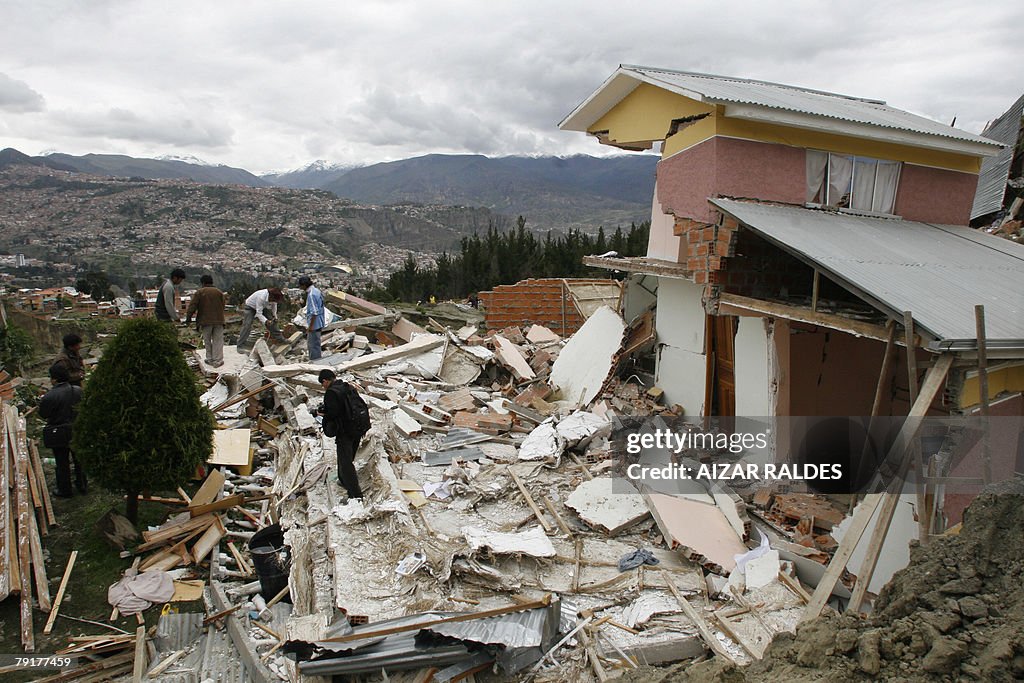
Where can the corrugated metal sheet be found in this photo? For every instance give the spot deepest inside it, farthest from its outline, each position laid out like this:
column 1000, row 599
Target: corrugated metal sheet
column 939, row 273
column 996, row 170
column 520, row 629
column 725, row 90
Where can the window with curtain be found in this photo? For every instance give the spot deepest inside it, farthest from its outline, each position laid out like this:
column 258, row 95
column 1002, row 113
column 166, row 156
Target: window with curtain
column 854, row 182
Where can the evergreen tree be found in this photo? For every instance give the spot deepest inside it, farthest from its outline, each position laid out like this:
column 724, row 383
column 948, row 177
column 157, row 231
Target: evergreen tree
column 140, row 425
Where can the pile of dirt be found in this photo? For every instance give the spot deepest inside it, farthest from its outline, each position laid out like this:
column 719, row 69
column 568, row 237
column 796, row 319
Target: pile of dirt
column 955, row 613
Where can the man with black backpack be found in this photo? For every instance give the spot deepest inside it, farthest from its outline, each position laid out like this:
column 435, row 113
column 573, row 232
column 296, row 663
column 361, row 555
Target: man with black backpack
column 347, row 419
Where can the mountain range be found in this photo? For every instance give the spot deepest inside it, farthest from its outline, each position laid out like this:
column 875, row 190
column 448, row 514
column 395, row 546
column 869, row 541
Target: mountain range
column 550, row 192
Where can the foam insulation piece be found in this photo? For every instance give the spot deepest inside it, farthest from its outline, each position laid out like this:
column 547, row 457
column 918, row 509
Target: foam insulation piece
column 542, row 443
column 607, row 503
column 532, row 542
column 587, row 359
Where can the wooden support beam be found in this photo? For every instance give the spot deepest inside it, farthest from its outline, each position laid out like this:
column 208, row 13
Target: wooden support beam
column 903, row 449
column 529, row 501
column 60, row 592
column 815, row 287
column 139, row 668
column 979, row 322
column 702, row 627
column 731, row 303
column 920, row 487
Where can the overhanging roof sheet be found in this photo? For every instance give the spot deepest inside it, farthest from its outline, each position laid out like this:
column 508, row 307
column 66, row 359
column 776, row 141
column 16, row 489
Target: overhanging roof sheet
column 938, row 272
column 738, row 91
column 996, row 170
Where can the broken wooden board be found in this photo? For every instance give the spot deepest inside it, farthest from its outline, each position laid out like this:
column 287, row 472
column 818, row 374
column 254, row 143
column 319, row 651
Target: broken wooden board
column 231, row 447
column 700, row 532
column 353, row 304
column 608, row 504
column 419, row 345
column 211, row 488
column 797, row 506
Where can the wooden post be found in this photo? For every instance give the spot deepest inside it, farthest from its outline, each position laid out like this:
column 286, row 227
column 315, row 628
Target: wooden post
column 60, row 592
column 901, row 448
column 979, row 320
column 890, row 499
column 920, row 486
column 814, row 289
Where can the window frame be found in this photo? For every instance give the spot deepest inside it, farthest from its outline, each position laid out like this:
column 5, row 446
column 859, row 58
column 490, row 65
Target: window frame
column 853, row 175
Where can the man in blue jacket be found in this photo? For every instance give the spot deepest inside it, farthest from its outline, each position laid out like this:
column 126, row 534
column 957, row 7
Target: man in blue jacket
column 315, row 316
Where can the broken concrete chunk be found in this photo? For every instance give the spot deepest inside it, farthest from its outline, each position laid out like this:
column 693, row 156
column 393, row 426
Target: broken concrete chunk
column 538, row 334
column 542, row 443
column 405, row 423
column 646, row 606
column 532, row 542
column 511, row 358
column 579, row 426
column 701, row 532
column 588, row 358
column 609, row 504
column 761, row 571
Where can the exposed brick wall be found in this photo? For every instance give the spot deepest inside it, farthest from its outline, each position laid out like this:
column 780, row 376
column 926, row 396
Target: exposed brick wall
column 533, row 302
column 935, row 195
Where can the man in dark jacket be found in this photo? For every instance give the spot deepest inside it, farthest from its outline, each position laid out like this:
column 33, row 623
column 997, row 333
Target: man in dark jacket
column 335, row 411
column 71, row 358
column 166, row 307
column 207, row 306
column 57, row 407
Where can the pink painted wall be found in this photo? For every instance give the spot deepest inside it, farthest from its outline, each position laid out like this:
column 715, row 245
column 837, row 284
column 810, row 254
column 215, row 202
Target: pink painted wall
column 759, row 170
column 686, row 180
column 935, row 195
column 731, row 168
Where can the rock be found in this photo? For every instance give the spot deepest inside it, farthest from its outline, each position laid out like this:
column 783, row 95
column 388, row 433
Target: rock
column 868, row 658
column 962, row 586
column 945, row 656
column 943, row 621
column 972, row 608
column 846, row 640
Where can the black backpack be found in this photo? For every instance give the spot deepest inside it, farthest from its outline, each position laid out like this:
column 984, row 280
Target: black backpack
column 356, row 415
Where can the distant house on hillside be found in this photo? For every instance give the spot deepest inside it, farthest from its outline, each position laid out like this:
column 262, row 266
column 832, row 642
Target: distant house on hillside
column 791, row 229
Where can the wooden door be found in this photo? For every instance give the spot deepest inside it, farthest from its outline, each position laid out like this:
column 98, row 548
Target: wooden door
column 723, row 339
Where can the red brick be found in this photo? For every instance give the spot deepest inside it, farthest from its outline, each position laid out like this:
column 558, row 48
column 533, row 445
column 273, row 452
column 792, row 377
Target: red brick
column 700, row 277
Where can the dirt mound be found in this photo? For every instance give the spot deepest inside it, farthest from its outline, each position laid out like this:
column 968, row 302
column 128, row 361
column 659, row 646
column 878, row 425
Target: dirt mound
column 955, row 613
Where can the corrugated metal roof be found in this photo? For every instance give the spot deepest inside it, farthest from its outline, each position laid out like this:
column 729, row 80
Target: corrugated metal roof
column 996, row 170
column 520, row 629
column 938, row 272
column 725, row 90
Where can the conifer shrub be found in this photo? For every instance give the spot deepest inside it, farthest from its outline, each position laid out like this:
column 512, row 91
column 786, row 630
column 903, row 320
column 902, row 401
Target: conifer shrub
column 140, row 425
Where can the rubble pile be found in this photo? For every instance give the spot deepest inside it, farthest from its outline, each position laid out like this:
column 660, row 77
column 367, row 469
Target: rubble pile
column 953, row 614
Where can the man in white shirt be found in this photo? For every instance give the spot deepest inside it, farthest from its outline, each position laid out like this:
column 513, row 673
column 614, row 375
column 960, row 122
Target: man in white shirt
column 257, row 306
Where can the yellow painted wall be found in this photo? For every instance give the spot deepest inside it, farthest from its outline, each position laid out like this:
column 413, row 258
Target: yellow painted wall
column 1009, row 379
column 645, row 115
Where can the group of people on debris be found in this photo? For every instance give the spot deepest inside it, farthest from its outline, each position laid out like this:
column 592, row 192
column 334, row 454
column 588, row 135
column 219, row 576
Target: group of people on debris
column 207, row 307
column 209, row 303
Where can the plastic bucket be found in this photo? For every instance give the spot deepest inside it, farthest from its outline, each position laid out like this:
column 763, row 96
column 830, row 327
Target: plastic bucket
column 271, row 559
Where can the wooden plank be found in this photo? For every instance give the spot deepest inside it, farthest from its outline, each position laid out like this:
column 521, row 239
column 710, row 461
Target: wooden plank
column 241, row 397
column 139, row 667
column 6, row 536
column 209, row 491
column 38, row 562
column 209, row 540
column 37, row 464
column 529, row 501
column 25, row 516
column 804, row 315
column 702, row 628
column 60, row 592
column 902, row 446
column 222, row 504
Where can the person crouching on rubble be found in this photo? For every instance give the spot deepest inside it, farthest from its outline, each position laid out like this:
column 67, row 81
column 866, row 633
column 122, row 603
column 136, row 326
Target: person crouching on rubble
column 347, row 419
column 57, row 407
column 256, row 306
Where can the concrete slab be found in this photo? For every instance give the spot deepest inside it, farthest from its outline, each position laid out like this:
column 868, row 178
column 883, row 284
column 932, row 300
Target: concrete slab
column 701, row 532
column 608, row 504
column 588, row 358
column 511, row 358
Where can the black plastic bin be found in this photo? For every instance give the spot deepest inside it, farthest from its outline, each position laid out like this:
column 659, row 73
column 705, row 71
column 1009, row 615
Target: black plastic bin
column 271, row 559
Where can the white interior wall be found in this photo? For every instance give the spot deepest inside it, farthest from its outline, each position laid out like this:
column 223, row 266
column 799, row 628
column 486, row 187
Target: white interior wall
column 661, row 243
column 681, row 364
column 753, row 398
column 640, row 292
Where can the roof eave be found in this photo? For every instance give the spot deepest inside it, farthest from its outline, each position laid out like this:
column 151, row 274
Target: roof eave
column 866, row 131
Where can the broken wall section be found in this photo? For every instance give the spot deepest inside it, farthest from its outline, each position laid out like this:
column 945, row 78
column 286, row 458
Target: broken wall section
column 548, row 301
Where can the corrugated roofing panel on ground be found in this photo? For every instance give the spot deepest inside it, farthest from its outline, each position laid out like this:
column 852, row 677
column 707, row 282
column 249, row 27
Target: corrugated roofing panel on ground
column 939, row 273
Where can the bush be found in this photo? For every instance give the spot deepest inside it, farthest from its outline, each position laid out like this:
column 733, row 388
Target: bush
column 16, row 348
column 140, row 425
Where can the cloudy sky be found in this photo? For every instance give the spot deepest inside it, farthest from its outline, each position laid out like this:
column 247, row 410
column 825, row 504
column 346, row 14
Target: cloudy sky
column 275, row 85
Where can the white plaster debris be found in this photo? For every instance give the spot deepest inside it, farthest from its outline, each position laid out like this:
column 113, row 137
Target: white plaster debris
column 542, row 443
column 532, row 542
column 609, row 504
column 587, row 358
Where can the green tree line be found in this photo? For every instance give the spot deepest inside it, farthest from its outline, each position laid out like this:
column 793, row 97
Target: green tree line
column 497, row 258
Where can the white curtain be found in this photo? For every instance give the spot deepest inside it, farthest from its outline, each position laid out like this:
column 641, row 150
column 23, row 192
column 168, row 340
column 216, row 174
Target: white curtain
column 816, row 163
column 885, row 186
column 840, row 172
column 863, row 183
